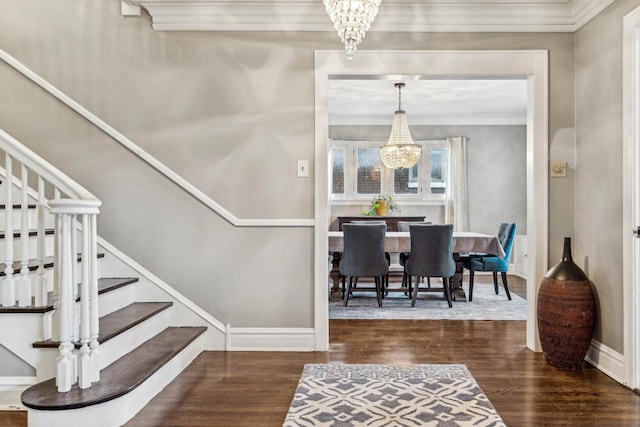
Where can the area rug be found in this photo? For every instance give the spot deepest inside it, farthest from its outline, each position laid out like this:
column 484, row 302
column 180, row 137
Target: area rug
column 486, row 305
column 341, row 395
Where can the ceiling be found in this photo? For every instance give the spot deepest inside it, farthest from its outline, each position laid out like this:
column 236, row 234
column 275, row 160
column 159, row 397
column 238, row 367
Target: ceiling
column 360, row 101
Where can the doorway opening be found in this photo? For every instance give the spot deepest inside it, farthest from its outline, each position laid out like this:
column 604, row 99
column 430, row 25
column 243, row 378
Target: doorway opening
column 528, row 65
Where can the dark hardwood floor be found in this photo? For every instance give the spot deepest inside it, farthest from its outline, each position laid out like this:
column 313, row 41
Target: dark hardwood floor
column 255, row 388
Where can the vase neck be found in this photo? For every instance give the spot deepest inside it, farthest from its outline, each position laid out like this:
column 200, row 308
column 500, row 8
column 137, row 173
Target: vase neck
column 566, row 269
column 566, row 251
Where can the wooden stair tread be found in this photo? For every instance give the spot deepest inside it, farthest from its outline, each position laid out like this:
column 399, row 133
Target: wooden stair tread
column 32, row 233
column 18, row 206
column 33, row 264
column 105, row 284
column 119, row 378
column 119, row 321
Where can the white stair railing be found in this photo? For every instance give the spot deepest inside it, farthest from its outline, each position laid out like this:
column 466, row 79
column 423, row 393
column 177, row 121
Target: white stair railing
column 71, row 205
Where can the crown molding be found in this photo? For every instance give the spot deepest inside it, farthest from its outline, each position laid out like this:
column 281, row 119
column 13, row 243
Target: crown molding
column 394, row 15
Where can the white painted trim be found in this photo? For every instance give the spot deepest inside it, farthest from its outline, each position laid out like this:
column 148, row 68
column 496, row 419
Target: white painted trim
column 41, row 167
column 433, row 120
column 630, row 199
column 607, row 360
column 531, row 65
column 16, row 381
column 584, row 11
column 394, row 15
column 271, row 339
column 210, row 320
column 148, row 158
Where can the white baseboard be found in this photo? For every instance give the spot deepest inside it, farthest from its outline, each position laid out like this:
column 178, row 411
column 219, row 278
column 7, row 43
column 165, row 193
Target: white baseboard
column 11, row 389
column 270, row 339
column 607, row 360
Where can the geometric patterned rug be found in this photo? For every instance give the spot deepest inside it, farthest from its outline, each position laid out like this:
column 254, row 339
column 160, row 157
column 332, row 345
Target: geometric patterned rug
column 340, row 395
column 486, row 305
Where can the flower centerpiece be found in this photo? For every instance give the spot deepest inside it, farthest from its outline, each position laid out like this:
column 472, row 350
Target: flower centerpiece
column 381, row 205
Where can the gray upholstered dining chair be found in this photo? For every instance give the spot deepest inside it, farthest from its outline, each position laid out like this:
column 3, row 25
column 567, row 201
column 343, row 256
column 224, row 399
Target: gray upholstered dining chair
column 386, row 254
column 431, row 256
column 404, row 256
column 363, row 256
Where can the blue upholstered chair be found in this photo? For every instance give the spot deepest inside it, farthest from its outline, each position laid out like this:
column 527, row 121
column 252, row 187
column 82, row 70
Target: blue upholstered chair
column 431, row 256
column 363, row 256
column 493, row 263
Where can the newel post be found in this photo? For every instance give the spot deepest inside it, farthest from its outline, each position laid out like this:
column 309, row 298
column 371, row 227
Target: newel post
column 71, row 366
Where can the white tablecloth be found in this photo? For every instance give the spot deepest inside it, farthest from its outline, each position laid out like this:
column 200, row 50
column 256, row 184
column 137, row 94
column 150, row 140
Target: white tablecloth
column 463, row 242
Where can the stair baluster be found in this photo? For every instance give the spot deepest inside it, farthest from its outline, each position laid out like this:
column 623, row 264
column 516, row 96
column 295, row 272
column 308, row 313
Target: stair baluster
column 84, row 364
column 8, row 285
column 66, row 374
column 94, row 312
column 24, row 280
column 41, row 288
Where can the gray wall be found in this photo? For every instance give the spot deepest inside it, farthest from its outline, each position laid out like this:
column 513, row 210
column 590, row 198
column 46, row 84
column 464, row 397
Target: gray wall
column 598, row 170
column 496, row 173
column 231, row 112
column 13, row 366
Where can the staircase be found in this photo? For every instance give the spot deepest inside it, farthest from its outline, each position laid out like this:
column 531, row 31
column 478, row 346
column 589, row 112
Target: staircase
column 146, row 332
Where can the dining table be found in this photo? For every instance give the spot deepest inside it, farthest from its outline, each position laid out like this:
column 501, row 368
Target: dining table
column 463, row 244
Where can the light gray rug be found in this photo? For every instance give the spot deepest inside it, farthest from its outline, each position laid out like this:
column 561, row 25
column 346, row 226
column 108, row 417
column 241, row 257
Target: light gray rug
column 486, row 305
column 343, row 395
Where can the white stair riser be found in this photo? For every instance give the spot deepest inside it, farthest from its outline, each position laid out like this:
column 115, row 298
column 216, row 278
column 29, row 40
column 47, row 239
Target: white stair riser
column 32, row 245
column 116, row 299
column 122, row 344
column 110, row 351
column 118, row 411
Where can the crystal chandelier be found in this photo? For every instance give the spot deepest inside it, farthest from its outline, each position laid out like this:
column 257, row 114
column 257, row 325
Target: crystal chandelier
column 352, row 19
column 400, row 152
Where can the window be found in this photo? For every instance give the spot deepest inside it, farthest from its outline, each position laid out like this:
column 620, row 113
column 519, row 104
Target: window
column 338, row 162
column 368, row 171
column 358, row 173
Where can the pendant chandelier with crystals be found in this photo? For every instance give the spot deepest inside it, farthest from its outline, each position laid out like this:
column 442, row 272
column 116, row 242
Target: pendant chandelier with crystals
column 400, row 152
column 352, row 19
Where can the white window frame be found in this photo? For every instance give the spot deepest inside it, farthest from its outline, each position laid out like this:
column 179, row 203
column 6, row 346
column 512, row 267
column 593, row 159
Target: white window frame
column 348, row 174
column 423, row 195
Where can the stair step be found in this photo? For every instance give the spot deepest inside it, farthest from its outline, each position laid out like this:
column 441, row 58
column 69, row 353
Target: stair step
column 119, row 378
column 17, row 206
column 119, row 321
column 105, row 284
column 33, row 264
column 32, row 233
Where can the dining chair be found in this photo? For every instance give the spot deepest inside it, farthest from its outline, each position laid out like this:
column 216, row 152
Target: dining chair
column 363, row 256
column 386, row 254
column 404, row 227
column 491, row 262
column 431, row 256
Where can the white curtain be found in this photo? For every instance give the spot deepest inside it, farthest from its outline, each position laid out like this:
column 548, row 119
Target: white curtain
column 456, row 204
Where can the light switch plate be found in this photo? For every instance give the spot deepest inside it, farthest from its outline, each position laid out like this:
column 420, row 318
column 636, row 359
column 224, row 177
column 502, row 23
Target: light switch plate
column 303, row 168
column 558, row 169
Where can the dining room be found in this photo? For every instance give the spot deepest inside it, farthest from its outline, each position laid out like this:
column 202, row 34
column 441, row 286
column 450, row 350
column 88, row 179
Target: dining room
column 471, row 173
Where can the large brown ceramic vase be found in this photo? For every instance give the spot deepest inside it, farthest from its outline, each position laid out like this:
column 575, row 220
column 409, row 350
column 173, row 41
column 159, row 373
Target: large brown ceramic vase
column 566, row 313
